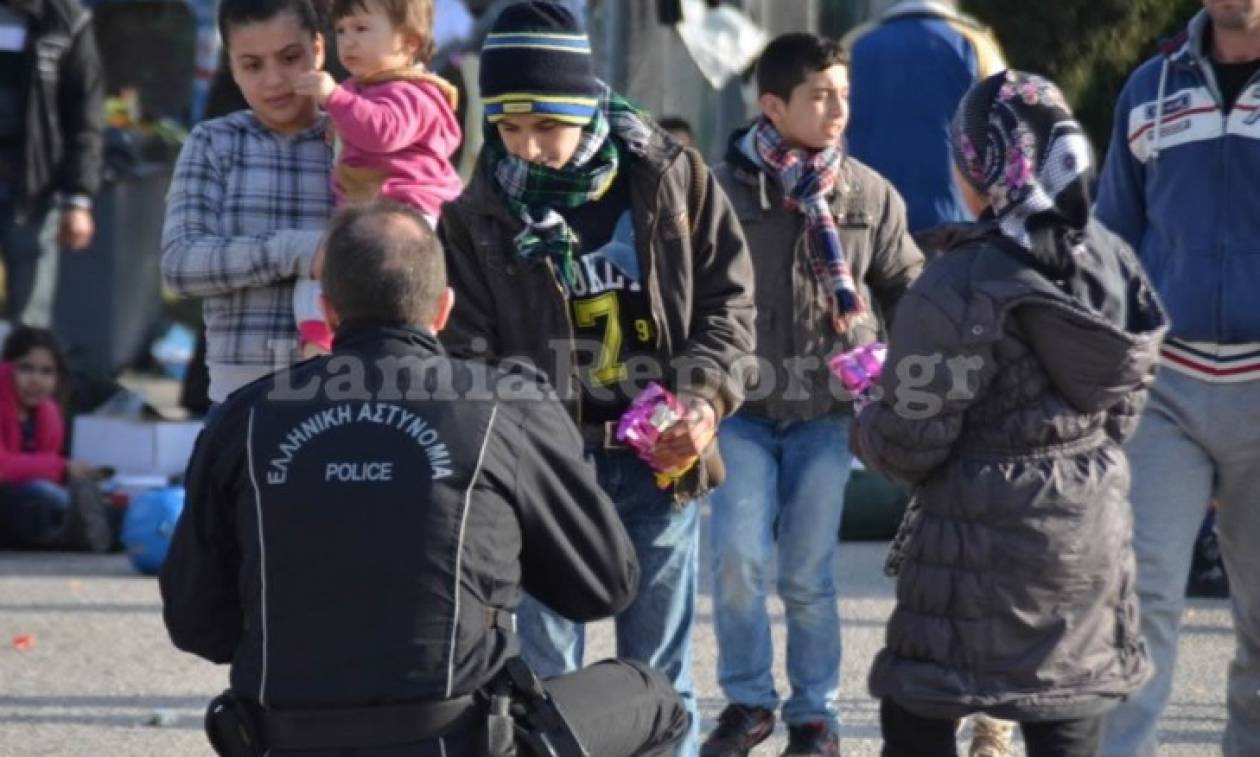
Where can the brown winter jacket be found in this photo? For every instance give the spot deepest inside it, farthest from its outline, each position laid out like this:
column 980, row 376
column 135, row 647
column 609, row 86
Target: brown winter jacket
column 1007, row 395
column 695, row 268
column 795, row 336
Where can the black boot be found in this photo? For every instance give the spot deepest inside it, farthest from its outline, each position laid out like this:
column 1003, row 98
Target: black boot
column 87, row 524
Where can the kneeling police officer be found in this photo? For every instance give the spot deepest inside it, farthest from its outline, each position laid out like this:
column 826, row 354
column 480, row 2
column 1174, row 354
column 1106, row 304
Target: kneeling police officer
column 358, row 529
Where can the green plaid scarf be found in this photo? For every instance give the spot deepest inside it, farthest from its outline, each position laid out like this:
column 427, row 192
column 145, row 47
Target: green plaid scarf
column 534, row 191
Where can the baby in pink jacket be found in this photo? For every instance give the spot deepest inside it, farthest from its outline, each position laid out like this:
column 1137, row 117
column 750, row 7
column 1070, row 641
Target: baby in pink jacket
column 395, row 123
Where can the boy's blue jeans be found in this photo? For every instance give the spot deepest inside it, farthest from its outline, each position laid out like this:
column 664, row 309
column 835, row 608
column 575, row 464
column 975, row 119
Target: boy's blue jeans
column 1198, row 441
column 784, row 480
column 657, row 626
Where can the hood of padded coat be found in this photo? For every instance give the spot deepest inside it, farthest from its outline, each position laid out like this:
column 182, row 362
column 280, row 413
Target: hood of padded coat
column 1097, row 330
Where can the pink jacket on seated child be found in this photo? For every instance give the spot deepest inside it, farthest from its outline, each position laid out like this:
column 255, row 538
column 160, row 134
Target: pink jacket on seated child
column 46, row 462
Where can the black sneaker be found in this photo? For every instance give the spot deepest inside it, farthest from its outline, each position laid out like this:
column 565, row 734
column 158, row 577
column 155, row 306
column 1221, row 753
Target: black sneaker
column 1207, row 570
column 812, row 739
column 739, row 729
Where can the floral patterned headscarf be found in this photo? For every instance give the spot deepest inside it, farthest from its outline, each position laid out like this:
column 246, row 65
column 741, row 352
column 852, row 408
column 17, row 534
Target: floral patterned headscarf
column 1014, row 139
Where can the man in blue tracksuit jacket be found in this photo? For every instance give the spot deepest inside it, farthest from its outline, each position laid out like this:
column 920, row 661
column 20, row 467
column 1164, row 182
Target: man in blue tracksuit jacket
column 911, row 66
column 1180, row 184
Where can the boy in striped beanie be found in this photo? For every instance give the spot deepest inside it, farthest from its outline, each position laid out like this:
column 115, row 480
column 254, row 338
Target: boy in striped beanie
column 591, row 244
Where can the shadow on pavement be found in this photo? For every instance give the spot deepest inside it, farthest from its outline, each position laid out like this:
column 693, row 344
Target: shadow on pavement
column 108, row 607
column 51, row 710
column 65, row 564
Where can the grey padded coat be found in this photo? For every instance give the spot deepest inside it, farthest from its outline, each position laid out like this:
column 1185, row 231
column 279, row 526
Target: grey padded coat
column 1007, row 396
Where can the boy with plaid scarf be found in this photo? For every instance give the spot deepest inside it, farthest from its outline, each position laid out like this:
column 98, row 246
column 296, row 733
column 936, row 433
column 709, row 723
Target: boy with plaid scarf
column 592, row 245
column 830, row 249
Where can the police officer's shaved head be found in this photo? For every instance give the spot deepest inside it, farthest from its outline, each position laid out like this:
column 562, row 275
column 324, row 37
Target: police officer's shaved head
column 383, row 263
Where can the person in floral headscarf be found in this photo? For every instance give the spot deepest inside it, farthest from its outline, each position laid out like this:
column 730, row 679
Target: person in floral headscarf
column 1018, row 364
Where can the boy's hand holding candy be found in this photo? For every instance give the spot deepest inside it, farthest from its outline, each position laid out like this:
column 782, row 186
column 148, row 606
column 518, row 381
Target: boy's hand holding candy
column 681, row 444
column 667, row 432
column 859, row 370
column 316, row 84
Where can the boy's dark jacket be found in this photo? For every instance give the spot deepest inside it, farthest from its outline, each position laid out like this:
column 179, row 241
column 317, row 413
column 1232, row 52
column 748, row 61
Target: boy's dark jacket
column 793, row 304
column 696, row 272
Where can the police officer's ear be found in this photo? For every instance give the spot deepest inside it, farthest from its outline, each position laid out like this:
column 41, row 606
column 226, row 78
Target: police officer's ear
column 446, row 301
column 330, row 313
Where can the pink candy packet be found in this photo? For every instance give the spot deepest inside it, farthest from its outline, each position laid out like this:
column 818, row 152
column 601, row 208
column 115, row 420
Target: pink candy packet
column 859, row 369
column 649, row 415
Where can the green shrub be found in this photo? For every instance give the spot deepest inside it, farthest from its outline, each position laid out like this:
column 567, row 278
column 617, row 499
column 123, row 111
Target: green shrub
column 1089, row 47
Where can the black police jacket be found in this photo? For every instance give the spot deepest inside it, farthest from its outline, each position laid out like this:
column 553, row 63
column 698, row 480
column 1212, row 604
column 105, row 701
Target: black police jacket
column 358, row 527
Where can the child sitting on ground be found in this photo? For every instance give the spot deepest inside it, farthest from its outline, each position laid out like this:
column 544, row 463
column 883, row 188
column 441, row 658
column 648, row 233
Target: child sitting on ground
column 46, row 501
column 395, row 123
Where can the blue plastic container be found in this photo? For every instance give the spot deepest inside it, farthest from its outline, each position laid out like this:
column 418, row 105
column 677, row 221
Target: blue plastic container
column 148, row 527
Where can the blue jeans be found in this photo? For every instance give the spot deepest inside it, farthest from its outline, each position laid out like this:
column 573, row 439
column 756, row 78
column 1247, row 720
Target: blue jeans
column 33, row 515
column 1197, row 442
column 656, row 627
column 30, row 254
column 784, row 479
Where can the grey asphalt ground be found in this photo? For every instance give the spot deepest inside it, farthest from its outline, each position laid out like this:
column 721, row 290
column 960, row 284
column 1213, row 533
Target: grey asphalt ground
column 101, row 669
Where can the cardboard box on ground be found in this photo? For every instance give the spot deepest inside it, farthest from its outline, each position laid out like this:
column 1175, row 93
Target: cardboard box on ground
column 135, row 447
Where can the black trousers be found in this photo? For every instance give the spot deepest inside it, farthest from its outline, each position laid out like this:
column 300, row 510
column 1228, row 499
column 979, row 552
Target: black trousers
column 910, row 735
column 617, row 708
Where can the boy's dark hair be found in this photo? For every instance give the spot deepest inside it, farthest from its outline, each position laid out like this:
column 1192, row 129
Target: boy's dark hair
column 789, row 58
column 234, row 13
column 383, row 263
column 675, row 123
column 414, row 16
column 22, row 339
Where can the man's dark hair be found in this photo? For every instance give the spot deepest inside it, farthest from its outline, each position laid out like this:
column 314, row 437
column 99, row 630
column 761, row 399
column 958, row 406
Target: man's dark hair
column 790, row 58
column 383, row 263
column 234, row 13
column 676, row 123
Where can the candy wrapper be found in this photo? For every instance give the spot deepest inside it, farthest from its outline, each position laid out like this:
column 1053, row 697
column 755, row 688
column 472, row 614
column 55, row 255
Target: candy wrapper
column 859, row 369
column 651, row 413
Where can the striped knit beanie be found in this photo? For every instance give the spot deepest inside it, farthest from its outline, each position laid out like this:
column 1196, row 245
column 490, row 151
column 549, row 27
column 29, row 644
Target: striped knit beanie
column 537, row 61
